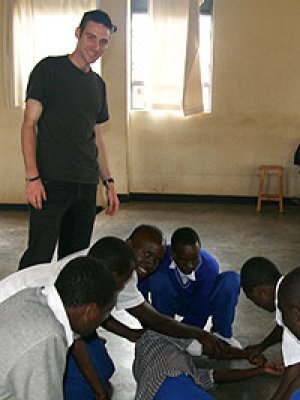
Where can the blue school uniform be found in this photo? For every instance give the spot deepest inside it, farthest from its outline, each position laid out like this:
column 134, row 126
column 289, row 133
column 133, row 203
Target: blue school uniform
column 210, row 293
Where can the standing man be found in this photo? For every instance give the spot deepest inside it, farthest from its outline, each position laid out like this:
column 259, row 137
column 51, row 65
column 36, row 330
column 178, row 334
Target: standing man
column 63, row 149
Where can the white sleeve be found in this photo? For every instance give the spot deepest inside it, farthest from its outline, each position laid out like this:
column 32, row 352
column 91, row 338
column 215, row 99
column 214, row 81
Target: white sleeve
column 130, row 296
column 290, row 344
column 290, row 348
column 35, row 276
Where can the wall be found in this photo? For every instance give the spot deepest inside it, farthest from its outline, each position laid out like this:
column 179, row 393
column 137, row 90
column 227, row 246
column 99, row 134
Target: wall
column 255, row 117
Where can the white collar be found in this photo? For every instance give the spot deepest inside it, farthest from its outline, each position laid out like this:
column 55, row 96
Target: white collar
column 184, row 277
column 56, row 305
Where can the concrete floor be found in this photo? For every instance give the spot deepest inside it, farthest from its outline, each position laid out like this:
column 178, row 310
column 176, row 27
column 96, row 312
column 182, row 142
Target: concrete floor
column 232, row 233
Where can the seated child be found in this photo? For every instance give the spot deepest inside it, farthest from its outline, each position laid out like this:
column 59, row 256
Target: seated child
column 261, row 280
column 289, row 314
column 164, row 369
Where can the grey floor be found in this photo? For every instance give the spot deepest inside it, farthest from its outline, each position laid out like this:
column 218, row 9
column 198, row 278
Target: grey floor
column 232, row 233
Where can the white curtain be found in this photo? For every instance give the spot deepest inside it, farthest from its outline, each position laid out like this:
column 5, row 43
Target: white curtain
column 174, row 66
column 33, row 29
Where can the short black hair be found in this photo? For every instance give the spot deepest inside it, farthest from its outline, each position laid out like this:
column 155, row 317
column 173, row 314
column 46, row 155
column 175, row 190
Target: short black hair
column 99, row 17
column 115, row 254
column 289, row 288
column 258, row 271
column 145, row 229
column 184, row 236
column 85, row 280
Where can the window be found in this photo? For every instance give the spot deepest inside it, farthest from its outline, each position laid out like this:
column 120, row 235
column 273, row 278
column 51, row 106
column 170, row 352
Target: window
column 140, row 42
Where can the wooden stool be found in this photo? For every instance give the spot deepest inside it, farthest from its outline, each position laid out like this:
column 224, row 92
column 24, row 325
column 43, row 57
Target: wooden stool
column 266, row 170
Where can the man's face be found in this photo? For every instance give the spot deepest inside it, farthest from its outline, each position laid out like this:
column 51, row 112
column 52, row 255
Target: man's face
column 92, row 42
column 148, row 254
column 186, row 257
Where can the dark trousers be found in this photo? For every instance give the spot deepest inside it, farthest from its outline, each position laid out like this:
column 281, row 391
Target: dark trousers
column 67, row 218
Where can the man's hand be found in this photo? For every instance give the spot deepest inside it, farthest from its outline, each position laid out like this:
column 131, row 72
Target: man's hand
column 113, row 201
column 214, row 347
column 35, row 193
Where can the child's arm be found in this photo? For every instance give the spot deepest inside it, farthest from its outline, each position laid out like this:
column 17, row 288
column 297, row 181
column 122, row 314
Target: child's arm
column 118, row 328
column 289, row 383
column 80, row 353
column 234, row 353
column 233, row 375
column 273, row 338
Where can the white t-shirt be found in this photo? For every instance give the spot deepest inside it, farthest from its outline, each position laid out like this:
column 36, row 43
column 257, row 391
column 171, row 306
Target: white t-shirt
column 46, row 274
column 290, row 344
column 130, row 296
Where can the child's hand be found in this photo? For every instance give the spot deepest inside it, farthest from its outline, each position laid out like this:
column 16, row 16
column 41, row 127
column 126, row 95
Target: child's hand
column 273, row 368
column 259, row 360
column 254, row 352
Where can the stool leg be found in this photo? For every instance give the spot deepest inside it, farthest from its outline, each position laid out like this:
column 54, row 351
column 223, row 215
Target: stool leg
column 280, row 192
column 260, row 190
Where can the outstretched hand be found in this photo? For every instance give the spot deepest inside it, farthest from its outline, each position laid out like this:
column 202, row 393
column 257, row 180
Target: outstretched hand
column 273, row 368
column 214, row 347
column 254, row 353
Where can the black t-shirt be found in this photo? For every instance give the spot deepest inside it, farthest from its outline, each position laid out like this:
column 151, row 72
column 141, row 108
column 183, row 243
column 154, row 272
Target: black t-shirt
column 73, row 102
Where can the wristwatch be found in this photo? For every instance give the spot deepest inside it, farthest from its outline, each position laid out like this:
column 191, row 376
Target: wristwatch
column 107, row 181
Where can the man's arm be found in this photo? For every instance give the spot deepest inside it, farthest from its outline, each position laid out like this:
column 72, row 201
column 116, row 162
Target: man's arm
column 152, row 319
column 35, row 191
column 112, row 198
column 289, row 383
column 84, row 362
column 273, row 338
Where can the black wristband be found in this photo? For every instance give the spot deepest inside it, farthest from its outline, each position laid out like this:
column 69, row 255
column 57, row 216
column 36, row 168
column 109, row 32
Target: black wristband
column 107, row 181
column 35, row 178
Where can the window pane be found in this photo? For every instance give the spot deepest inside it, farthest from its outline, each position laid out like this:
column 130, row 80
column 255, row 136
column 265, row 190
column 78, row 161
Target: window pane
column 140, row 44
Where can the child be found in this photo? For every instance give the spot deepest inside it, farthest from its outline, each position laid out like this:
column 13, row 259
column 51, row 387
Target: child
column 164, row 370
column 289, row 307
column 261, row 280
column 37, row 326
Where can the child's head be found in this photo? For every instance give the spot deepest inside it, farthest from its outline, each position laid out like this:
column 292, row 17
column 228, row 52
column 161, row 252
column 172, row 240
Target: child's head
column 185, row 246
column 149, row 245
column 289, row 301
column 259, row 277
column 117, row 256
column 88, row 292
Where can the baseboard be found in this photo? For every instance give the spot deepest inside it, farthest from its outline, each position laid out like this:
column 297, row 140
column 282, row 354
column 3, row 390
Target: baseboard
column 171, row 198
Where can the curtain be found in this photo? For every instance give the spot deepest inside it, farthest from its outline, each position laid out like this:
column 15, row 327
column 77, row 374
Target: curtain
column 33, row 29
column 174, row 80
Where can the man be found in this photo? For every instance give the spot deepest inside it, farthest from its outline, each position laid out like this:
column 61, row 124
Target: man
column 61, row 141
column 260, row 281
column 187, row 283
column 37, row 325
